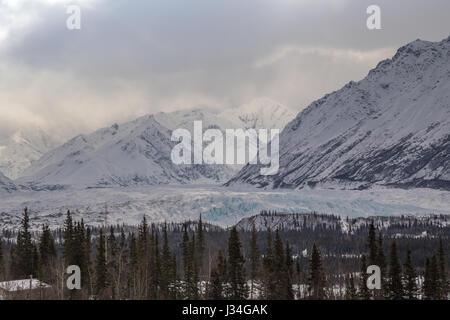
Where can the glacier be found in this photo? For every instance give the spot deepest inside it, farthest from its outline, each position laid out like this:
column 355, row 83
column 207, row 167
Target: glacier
column 223, row 206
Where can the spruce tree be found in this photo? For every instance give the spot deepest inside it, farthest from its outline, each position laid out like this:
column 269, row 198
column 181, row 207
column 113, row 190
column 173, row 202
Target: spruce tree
column 350, row 292
column 187, row 263
column 215, row 291
column 185, row 252
column 174, row 291
column 142, row 281
column 194, row 266
column 47, row 251
column 381, row 262
column 112, row 263
column 444, row 284
column 268, row 269
column 223, row 274
column 279, row 268
column 373, row 252
column 100, row 266
column 151, row 289
column 133, row 268
column 78, row 251
column 289, row 273
column 166, row 265
column 35, row 260
column 372, row 245
column 142, row 244
column 254, row 260
column 236, row 268
column 155, row 265
column 25, row 264
column 364, row 292
column 87, row 278
column 436, row 293
column 112, row 245
column 298, row 273
column 122, row 263
column 395, row 275
column 200, row 246
column 316, row 280
column 410, row 278
column 68, row 249
column 427, row 287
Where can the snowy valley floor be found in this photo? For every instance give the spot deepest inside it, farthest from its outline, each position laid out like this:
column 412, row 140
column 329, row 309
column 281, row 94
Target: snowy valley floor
column 220, row 205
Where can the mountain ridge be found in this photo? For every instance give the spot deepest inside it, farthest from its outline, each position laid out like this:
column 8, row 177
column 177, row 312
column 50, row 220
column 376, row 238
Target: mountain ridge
column 6, row 184
column 134, row 153
column 392, row 129
column 21, row 148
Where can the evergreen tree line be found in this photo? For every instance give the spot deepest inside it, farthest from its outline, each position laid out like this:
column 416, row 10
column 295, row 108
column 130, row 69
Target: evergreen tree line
column 399, row 281
column 145, row 265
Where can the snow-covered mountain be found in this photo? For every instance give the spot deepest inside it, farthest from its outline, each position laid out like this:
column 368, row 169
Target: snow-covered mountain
column 392, row 128
column 134, row 153
column 259, row 113
column 6, row 184
column 185, row 119
column 23, row 147
column 137, row 153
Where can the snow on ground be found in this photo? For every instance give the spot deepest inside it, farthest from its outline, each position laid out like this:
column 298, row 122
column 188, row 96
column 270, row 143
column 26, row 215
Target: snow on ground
column 220, row 205
column 24, row 284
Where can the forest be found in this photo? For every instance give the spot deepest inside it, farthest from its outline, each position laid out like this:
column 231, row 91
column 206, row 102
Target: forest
column 197, row 260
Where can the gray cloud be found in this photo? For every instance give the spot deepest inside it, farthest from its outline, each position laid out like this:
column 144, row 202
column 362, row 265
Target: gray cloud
column 137, row 57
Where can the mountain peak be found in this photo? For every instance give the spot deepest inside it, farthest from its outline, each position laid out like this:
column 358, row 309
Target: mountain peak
column 138, row 152
column 22, row 147
column 391, row 128
column 6, row 184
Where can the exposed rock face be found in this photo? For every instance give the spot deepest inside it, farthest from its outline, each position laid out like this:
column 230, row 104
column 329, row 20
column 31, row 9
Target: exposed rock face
column 392, row 128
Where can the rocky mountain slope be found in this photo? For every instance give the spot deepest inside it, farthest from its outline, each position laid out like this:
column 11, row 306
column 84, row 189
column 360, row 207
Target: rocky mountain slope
column 138, row 152
column 392, row 129
column 135, row 153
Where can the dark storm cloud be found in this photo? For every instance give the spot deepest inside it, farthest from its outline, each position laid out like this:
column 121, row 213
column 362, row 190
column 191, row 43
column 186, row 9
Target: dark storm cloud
column 136, row 57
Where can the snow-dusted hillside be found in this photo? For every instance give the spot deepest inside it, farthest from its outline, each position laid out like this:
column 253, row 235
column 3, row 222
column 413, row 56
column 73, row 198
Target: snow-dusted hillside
column 23, row 147
column 392, row 128
column 312, row 221
column 289, row 221
column 138, row 152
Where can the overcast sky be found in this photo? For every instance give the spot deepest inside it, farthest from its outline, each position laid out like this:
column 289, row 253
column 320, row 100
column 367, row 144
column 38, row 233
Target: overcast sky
column 134, row 57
